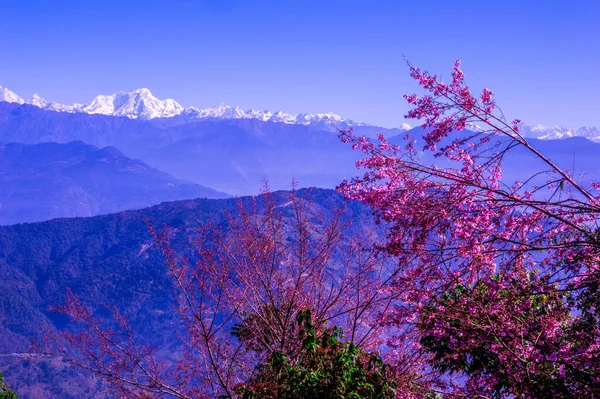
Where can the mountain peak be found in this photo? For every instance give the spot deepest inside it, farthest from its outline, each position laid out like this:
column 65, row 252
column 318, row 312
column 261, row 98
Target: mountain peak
column 143, row 91
column 139, row 103
column 142, row 104
column 9, row 97
column 558, row 132
column 38, row 101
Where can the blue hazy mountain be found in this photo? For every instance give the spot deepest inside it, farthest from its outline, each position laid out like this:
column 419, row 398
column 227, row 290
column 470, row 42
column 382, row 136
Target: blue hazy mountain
column 230, row 155
column 234, row 155
column 50, row 180
column 110, row 259
column 578, row 155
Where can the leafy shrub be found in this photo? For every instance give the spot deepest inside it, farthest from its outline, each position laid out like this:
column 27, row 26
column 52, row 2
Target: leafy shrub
column 327, row 367
column 5, row 392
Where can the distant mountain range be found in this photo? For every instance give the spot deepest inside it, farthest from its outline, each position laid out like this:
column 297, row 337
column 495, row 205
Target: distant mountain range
column 44, row 181
column 559, row 132
column 235, row 155
column 231, row 155
column 141, row 104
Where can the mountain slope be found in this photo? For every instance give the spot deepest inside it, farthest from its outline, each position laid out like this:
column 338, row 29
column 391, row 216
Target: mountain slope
column 244, row 152
column 44, row 181
column 110, row 259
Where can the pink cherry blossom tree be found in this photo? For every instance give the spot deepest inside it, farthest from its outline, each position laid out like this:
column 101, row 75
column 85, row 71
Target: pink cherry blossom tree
column 239, row 299
column 500, row 279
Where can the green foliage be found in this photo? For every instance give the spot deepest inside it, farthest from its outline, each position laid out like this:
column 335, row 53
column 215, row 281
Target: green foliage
column 5, row 392
column 327, row 367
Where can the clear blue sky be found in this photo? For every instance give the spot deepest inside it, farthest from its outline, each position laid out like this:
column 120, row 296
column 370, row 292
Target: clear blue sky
column 542, row 57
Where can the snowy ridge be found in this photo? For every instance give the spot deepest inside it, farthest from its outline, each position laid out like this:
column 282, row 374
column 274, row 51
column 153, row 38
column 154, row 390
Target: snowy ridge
column 39, row 102
column 136, row 104
column 223, row 111
column 9, row 96
column 141, row 104
column 559, row 132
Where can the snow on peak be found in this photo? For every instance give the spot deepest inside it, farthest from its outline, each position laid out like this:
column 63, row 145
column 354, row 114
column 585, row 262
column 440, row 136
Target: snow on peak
column 223, row 111
column 37, row 101
column 143, row 92
column 558, row 132
column 9, row 97
column 139, row 103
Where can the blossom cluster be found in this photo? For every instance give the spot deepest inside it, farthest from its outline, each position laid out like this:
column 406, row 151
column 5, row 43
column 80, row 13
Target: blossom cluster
column 497, row 276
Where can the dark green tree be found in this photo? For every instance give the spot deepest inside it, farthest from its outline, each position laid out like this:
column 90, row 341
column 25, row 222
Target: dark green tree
column 327, row 367
column 5, row 391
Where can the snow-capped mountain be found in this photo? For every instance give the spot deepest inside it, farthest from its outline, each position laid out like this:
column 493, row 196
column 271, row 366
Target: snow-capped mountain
column 141, row 104
column 559, row 132
column 39, row 102
column 136, row 104
column 223, row 111
column 9, row 97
